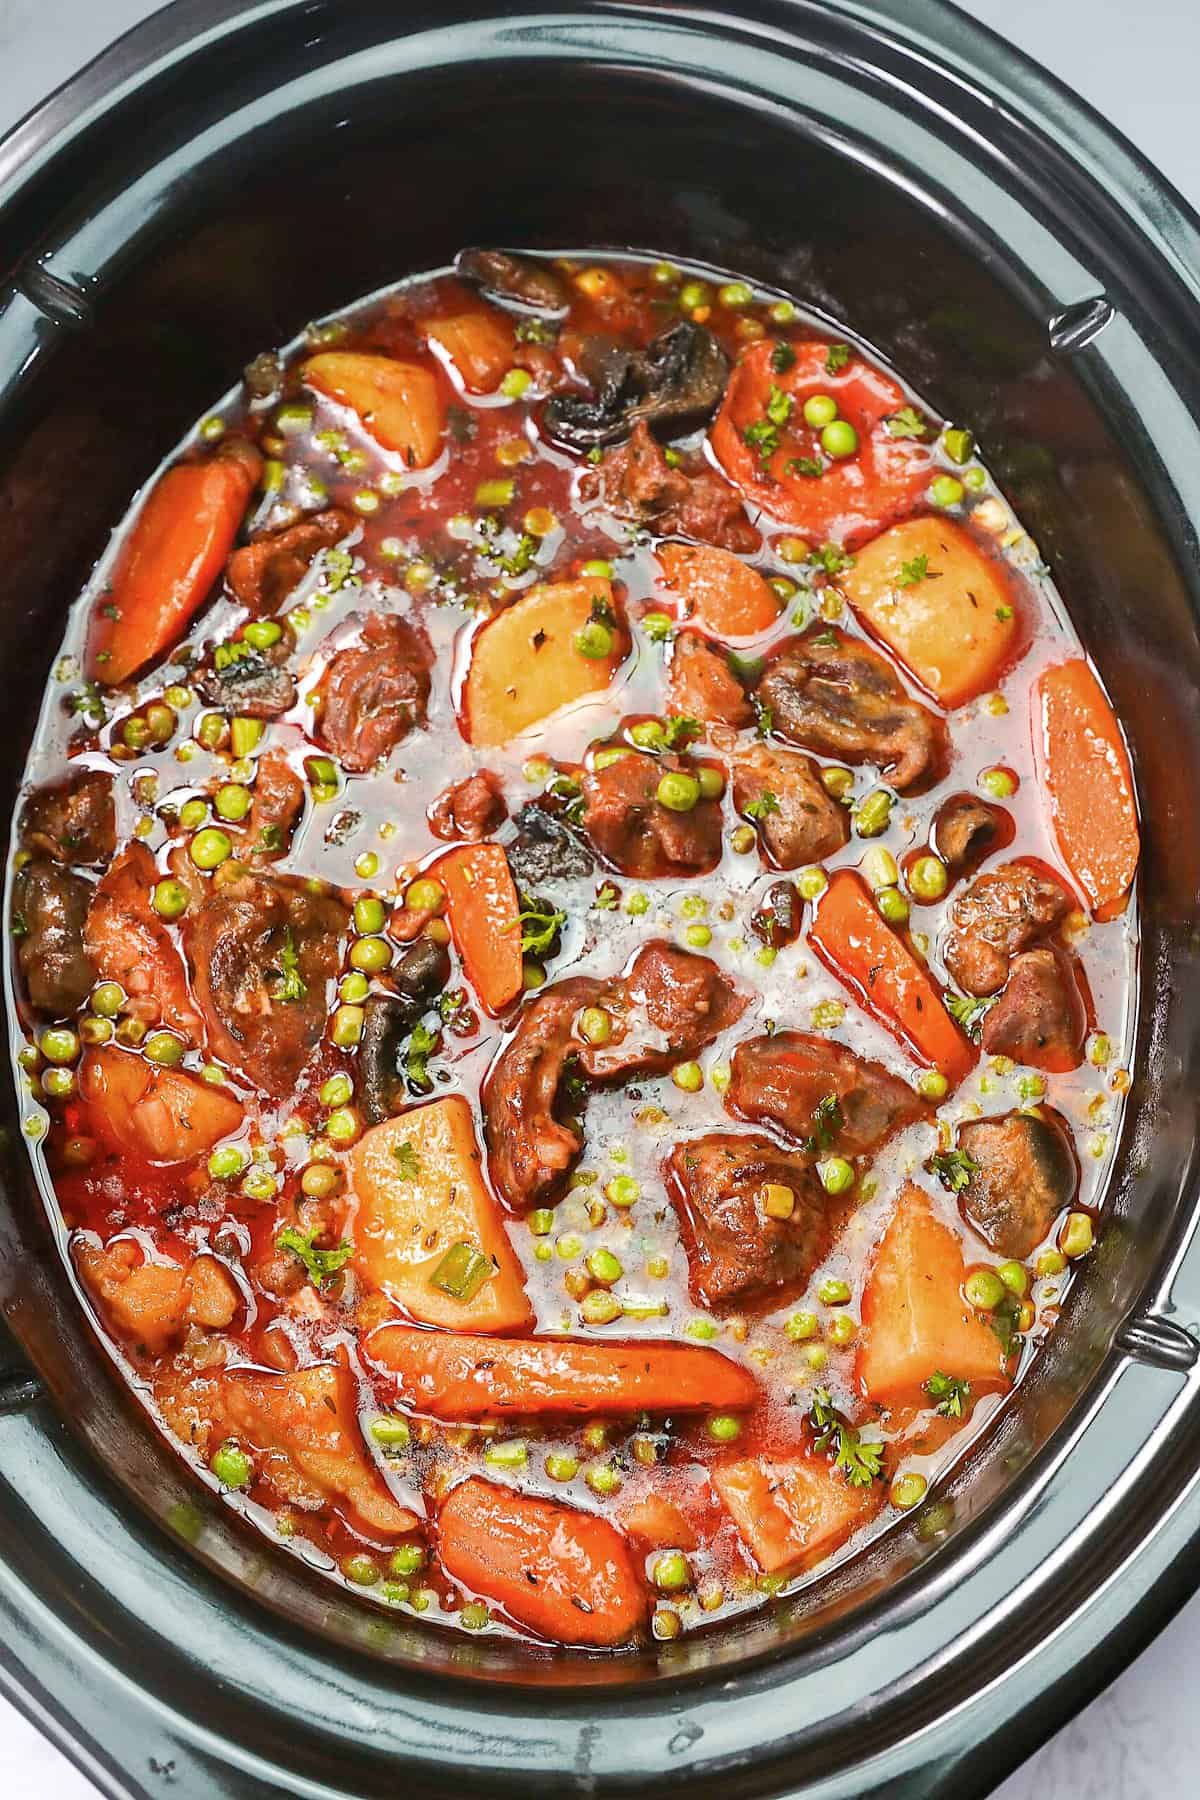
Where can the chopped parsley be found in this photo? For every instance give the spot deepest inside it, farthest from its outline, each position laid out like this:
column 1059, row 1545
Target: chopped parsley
column 968, row 1010
column 762, row 806
column 907, row 423
column 289, row 984
column 953, row 1168
column 270, row 838
column 407, row 1161
column 764, row 716
column 337, row 571
column 833, row 559
column 948, row 1393
column 226, row 655
column 828, row 1118
column 87, row 703
column 861, row 1463
column 536, row 331
column 914, row 571
column 763, row 434
column 522, row 559
column 805, row 465
column 322, row 1265
column 782, row 358
column 679, row 729
column 839, row 355
column 421, row 1046
column 1004, row 614
column 18, row 927
column 542, row 926
column 606, row 898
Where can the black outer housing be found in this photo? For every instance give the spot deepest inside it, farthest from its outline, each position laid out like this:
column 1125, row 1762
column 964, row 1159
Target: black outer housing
column 228, row 171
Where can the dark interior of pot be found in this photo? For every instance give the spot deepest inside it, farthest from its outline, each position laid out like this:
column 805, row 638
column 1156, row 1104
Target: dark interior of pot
column 348, row 189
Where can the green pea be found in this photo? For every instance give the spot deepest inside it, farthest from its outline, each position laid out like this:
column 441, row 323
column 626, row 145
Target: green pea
column 511, row 1453
column 873, row 814
column 260, row 1184
column 336, row 1091
column 60, row 1044
column 712, row 783
column 1077, row 1236
column 812, row 882
column 136, row 733
column 165, row 1049
column 261, row 634
column 742, row 839
column 595, row 1025
column 608, row 754
column 603, row 1266
column 724, row 1427
column 406, row 1559
column 932, row 1084
column 95, row 1031
column 594, row 640
column 694, row 294
column 347, row 1026
column 227, row 1162
column 927, row 878
column 361, row 1569
column 1015, row 1277
column 801, row 1326
column 319, row 1181
column 908, row 1490
column 842, row 1330
column 1001, row 784
column 230, row 1464
column 946, row 490
column 597, row 569
column 622, row 1190
column 975, row 479
column 602, row 1478
column 670, row 1572
column 837, row 1175
column 353, row 988
column 294, row 419
column 192, row 814
column 370, row 954
column 59, row 1084
column 343, row 1126
column 495, row 493
column 958, row 444
column 892, row 905
column 541, row 1221
column 367, row 865
column 233, row 801
column 515, row 383
column 211, row 429
column 703, row 1330
column 648, row 734
column 837, row 781
column 210, row 730
column 473, row 1615
column 369, row 914
column 677, row 791
column 425, row 896
column 820, row 410
column 390, row 1431
column 833, row 1291
column 210, row 848
column 560, row 1465
column 698, row 937
column 735, row 294
column 107, row 999
column 783, row 312
column 839, row 439
column 161, row 722
column 985, row 1290
column 688, row 1076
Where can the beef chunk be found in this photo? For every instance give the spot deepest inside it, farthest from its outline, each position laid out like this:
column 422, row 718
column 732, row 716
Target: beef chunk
column 74, row 821
column 522, row 280
column 790, row 1079
column 374, row 692
column 1000, row 914
column 470, row 810
column 1025, row 1174
column 1040, row 1017
column 754, row 1220
column 637, row 482
column 49, row 910
column 702, row 685
column 278, row 801
column 263, row 951
column 834, row 694
column 266, row 572
column 635, row 833
column 668, row 1007
column 966, row 829
column 798, row 822
column 418, row 977
column 675, row 383
column 256, row 683
column 546, row 849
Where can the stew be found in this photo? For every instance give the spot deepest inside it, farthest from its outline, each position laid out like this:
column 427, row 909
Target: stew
column 572, row 931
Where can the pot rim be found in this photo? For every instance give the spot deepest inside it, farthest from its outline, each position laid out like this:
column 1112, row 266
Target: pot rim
column 1008, row 1710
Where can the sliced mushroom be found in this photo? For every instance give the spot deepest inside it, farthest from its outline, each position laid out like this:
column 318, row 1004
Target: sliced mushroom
column 517, row 280
column 421, row 972
column 675, row 382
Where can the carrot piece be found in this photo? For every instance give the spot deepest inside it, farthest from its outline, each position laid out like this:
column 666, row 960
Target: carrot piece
column 915, row 1321
column 944, row 606
column 464, row 1378
column 129, row 944
column 164, row 1114
column 398, row 403
column 658, row 1523
column 309, row 1420
column 564, row 1574
column 1083, row 767
column 794, row 1513
column 852, row 939
column 718, row 591
column 526, row 664
column 478, row 345
column 420, row 1196
column 179, row 542
column 483, row 912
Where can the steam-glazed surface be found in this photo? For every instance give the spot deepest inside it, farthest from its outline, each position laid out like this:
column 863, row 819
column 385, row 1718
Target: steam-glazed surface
column 572, row 940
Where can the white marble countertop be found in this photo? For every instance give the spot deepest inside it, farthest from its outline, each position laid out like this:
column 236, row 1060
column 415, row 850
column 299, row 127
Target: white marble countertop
column 1137, row 66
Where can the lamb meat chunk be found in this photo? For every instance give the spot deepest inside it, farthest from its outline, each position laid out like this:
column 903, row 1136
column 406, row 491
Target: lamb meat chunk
column 1000, row 914
column 265, row 573
column 255, row 683
column 798, row 822
column 834, row 694
column 692, row 501
column 128, row 943
column 49, row 912
column 966, row 829
column 1024, row 1174
column 755, row 1221
column 668, row 1006
column 470, row 810
column 702, row 685
column 276, row 804
column 634, row 832
column 675, row 383
column 791, row 1080
column 263, row 952
column 374, row 692
column 523, row 281
column 530, row 1149
column 74, row 821
column 1040, row 1018
column 546, row 849
column 418, row 977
